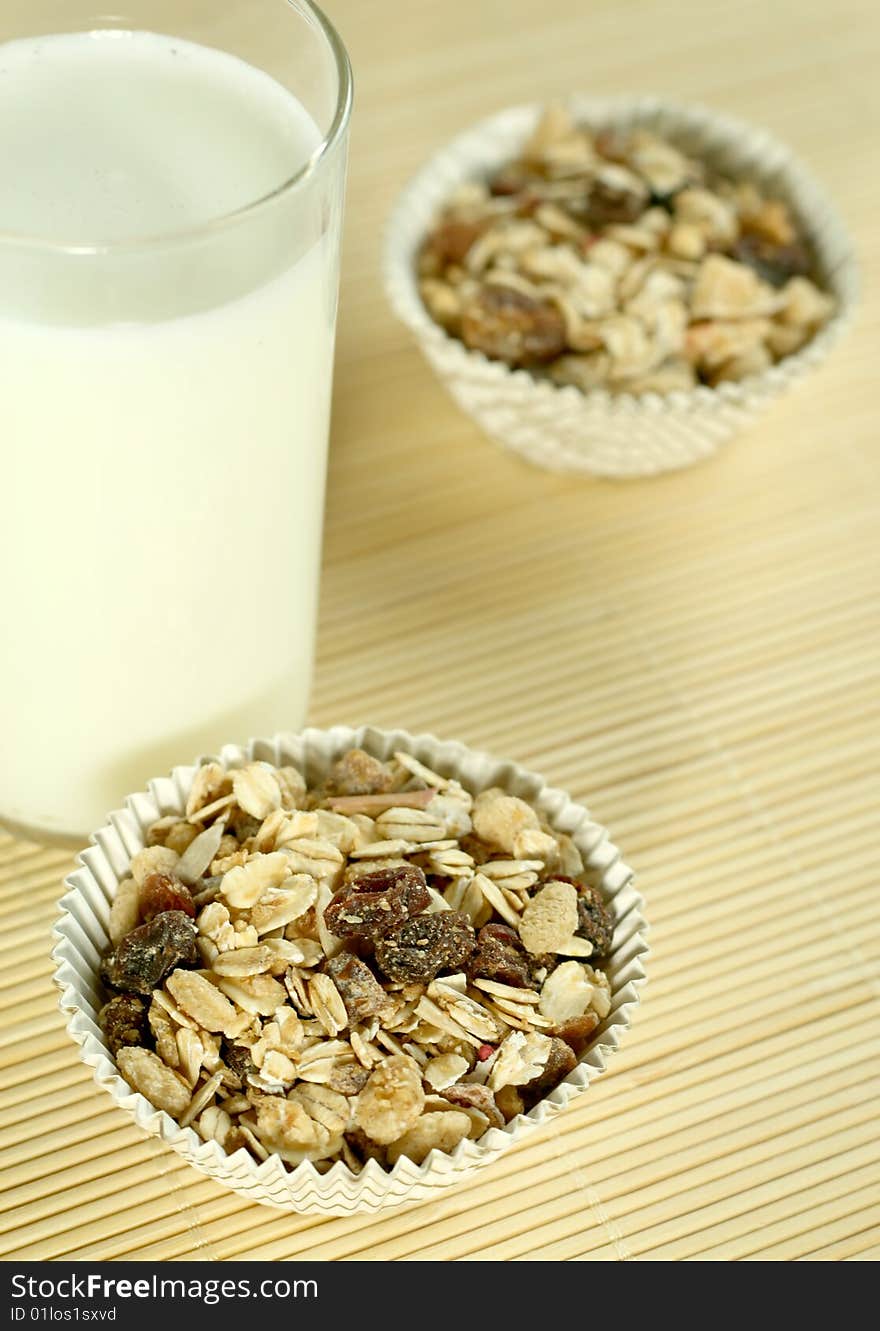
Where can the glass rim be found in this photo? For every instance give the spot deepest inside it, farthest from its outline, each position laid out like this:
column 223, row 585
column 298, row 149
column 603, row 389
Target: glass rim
column 309, row 169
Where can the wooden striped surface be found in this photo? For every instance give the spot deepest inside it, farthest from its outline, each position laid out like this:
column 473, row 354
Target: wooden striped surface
column 696, row 656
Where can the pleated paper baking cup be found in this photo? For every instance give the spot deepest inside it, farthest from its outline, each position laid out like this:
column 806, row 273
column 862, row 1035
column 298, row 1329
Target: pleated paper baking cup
column 620, row 434
column 82, row 937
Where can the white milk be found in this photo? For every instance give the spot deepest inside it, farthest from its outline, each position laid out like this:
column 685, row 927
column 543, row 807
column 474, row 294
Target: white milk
column 162, row 475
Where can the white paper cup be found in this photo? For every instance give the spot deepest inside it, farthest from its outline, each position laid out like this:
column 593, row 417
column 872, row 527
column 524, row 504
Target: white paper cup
column 81, row 934
column 621, row 434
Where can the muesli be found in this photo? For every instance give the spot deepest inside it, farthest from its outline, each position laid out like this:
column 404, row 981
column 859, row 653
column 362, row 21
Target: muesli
column 370, row 969
column 614, row 260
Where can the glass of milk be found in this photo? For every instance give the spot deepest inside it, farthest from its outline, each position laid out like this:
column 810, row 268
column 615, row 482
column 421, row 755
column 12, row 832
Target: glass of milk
column 171, row 191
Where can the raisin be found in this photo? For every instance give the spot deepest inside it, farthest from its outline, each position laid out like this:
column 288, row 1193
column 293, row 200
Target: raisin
column 377, row 902
column 774, row 263
column 124, row 1020
column 423, row 947
column 237, row 1057
column 594, row 920
column 161, row 892
column 559, row 1064
column 358, row 773
column 500, row 956
column 358, row 987
column 578, row 1031
column 609, row 203
column 511, row 326
column 476, row 1097
column 512, row 179
column 146, row 955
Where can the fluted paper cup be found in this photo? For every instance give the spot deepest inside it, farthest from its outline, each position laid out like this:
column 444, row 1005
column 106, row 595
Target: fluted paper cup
column 613, row 434
column 82, row 937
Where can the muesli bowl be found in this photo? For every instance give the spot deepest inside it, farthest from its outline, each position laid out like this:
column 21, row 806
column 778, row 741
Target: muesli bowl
column 589, row 428
column 83, row 937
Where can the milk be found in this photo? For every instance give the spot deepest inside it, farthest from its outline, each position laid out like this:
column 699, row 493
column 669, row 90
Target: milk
column 163, row 417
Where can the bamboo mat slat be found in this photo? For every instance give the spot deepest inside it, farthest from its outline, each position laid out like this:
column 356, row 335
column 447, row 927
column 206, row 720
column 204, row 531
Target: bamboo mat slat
column 698, row 657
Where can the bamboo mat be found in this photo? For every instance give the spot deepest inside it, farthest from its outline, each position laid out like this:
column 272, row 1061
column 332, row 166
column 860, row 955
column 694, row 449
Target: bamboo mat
column 696, row 656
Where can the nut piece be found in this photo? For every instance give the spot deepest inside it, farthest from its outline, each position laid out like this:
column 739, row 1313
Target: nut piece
column 391, row 1100
column 150, row 860
column 440, row 1131
column 124, row 910
column 357, row 773
column 202, row 1001
column 500, row 818
column 149, row 1075
column 550, row 918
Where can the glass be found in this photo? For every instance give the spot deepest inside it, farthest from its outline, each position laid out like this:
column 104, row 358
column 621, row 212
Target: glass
column 164, row 392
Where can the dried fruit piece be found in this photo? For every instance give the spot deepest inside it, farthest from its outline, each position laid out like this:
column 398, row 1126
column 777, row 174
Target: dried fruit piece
column 146, row 955
column 124, row 1021
column 594, row 920
column 773, row 263
column 550, row 918
column 500, row 956
column 359, row 989
column 391, row 1100
column 509, row 1102
column 578, row 1031
column 508, row 325
column 158, row 1083
column 238, row 1058
column 377, row 902
column 426, row 945
column 152, row 859
column 560, row 1062
column 617, row 195
column 161, row 892
column 475, row 1097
